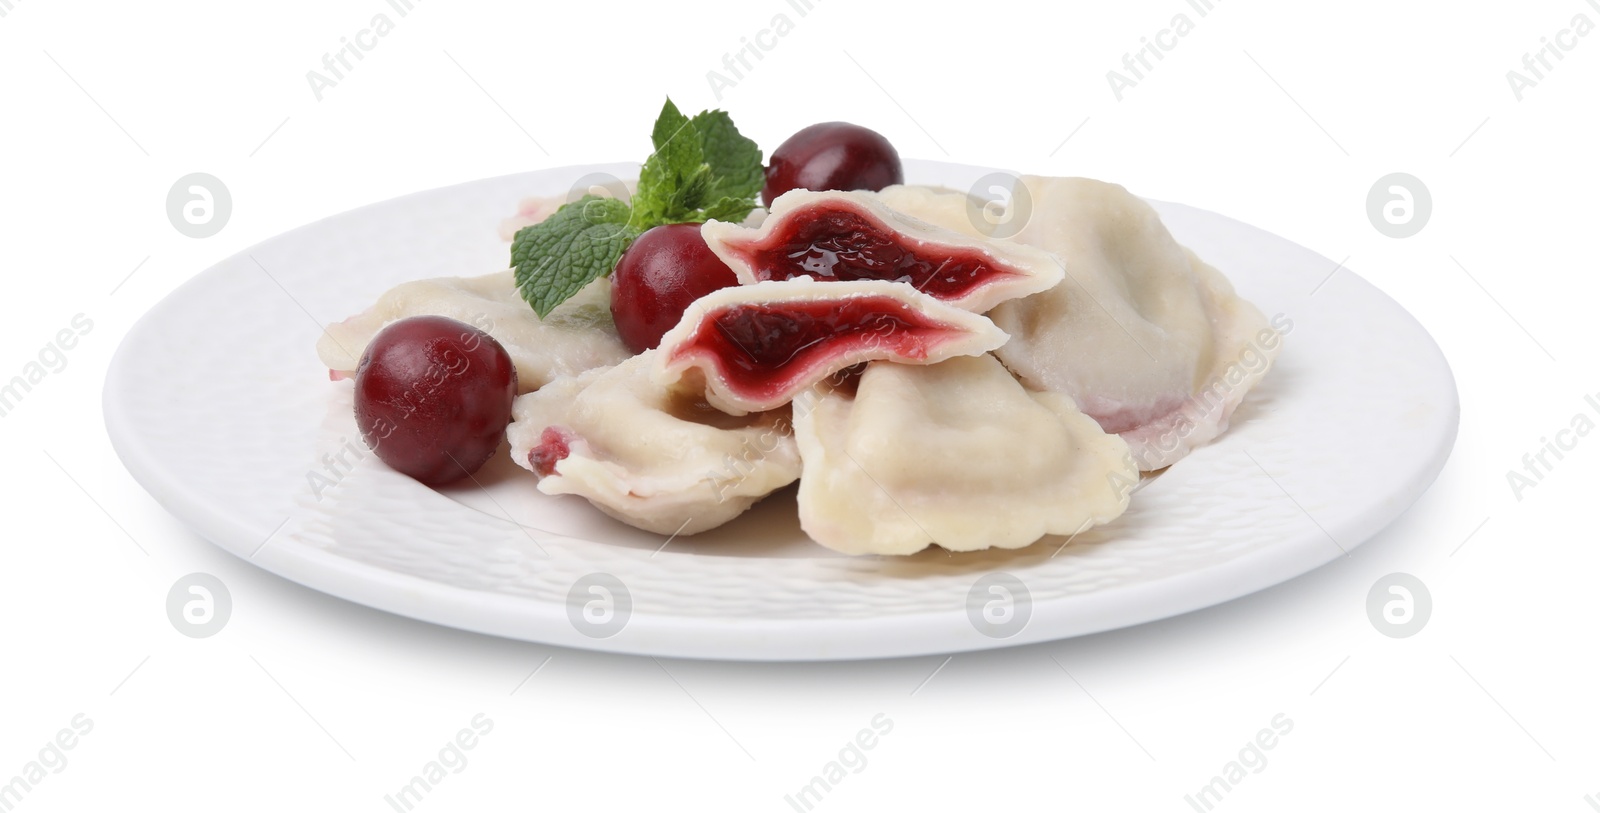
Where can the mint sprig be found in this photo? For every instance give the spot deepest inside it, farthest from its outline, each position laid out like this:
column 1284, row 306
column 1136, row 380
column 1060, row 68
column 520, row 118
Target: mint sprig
column 735, row 161
column 702, row 169
column 578, row 244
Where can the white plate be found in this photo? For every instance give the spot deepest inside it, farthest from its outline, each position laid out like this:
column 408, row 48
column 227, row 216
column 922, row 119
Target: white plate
column 217, row 404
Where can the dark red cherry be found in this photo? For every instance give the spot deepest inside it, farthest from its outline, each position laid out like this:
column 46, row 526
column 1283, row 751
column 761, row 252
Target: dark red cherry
column 664, row 270
column 433, row 397
column 832, row 155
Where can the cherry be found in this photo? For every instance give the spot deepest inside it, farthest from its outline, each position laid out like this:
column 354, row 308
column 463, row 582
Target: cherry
column 832, row 155
column 664, row 270
column 433, row 397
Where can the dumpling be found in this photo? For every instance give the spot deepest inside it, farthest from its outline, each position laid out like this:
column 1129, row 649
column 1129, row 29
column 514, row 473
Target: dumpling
column 655, row 459
column 956, row 454
column 751, row 348
column 850, row 236
column 577, row 336
column 1150, row 341
column 943, row 207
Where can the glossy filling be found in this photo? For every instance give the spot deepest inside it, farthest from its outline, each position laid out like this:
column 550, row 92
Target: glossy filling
column 841, row 244
column 764, row 349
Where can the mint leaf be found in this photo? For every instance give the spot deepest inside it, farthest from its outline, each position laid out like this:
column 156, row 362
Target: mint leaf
column 734, row 159
column 702, row 169
column 670, row 123
column 727, row 210
column 578, row 244
column 694, row 193
column 672, row 179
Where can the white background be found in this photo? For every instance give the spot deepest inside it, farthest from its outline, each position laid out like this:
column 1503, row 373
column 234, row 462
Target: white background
column 1281, row 115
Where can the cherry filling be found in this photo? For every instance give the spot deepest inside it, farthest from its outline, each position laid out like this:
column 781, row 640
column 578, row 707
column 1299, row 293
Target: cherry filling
column 839, row 244
column 555, row 444
column 762, row 349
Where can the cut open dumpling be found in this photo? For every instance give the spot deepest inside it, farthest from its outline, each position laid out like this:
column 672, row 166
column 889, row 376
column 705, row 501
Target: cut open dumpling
column 956, row 454
column 577, row 336
column 655, row 459
column 751, row 348
column 841, row 236
column 1150, row 341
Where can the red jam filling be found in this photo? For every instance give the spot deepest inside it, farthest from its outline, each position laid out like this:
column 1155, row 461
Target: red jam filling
column 841, row 244
column 764, row 349
column 554, row 446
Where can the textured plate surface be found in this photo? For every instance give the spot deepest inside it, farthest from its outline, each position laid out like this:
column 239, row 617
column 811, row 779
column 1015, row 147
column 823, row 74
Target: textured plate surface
column 217, row 404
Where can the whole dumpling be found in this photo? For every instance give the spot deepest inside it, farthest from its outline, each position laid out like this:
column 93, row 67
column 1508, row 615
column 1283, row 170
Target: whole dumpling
column 579, row 335
column 941, row 206
column 956, row 454
column 1148, row 340
column 654, row 458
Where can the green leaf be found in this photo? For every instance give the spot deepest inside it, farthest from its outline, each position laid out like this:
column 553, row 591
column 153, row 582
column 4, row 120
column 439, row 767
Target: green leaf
column 667, row 175
column 694, row 193
column 577, row 245
column 702, row 169
column 669, row 124
column 734, row 159
column 728, row 210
